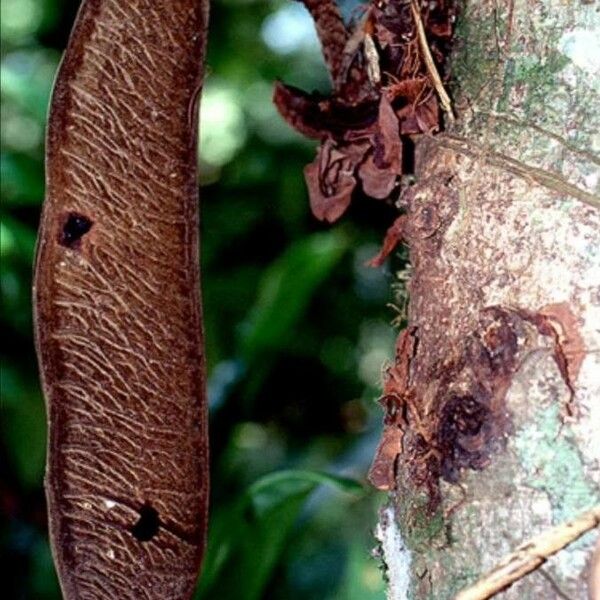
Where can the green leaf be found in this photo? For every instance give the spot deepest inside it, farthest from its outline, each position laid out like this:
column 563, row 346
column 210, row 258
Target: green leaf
column 17, row 240
column 20, row 20
column 17, row 244
column 21, row 180
column 272, row 489
column 23, row 424
column 44, row 582
column 246, row 540
column 287, row 288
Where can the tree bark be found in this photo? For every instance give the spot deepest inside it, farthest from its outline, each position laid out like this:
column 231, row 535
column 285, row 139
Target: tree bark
column 501, row 440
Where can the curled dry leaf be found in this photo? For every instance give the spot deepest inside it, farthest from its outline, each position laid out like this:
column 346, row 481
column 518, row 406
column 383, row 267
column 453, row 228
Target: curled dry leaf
column 571, row 348
column 393, row 237
column 383, row 163
column 375, row 159
column 561, row 324
column 451, row 417
column 318, row 117
column 330, row 183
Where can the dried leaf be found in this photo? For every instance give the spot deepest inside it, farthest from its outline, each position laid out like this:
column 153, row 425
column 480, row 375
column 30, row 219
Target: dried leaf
column 566, row 324
column 300, row 110
column 383, row 165
column 328, row 207
column 393, row 237
column 382, row 473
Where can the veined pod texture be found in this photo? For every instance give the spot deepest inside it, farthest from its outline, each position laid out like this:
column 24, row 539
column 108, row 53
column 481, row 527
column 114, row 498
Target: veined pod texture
column 117, row 304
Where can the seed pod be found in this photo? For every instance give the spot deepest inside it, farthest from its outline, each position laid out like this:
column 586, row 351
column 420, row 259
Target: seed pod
column 117, row 304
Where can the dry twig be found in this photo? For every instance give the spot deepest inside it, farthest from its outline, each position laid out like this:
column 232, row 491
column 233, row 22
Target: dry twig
column 431, row 68
column 530, row 556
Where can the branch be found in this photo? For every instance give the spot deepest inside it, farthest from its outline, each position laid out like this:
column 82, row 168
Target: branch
column 547, row 179
column 531, row 555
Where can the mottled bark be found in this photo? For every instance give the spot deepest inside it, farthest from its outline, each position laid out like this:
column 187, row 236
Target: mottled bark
column 504, row 234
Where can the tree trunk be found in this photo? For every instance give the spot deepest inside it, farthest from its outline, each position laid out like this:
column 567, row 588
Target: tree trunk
column 500, row 434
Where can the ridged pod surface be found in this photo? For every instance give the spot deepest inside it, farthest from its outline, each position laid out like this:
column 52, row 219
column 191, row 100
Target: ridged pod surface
column 117, row 304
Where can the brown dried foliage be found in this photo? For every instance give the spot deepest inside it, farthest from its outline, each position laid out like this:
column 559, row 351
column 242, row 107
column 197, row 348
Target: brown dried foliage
column 381, row 93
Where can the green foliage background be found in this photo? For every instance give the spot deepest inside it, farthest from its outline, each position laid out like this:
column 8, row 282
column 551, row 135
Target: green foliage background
column 297, row 328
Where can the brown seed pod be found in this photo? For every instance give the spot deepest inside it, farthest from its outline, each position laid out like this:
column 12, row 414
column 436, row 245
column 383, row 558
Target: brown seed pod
column 117, row 304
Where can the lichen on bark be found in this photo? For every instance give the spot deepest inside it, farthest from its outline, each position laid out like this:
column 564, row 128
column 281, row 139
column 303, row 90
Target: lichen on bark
column 504, row 236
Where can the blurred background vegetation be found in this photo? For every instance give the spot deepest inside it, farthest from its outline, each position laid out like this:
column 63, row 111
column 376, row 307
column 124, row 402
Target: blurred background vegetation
column 297, row 327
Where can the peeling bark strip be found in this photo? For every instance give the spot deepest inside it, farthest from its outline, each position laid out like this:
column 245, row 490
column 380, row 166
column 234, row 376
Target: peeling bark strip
column 452, row 411
column 117, row 307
